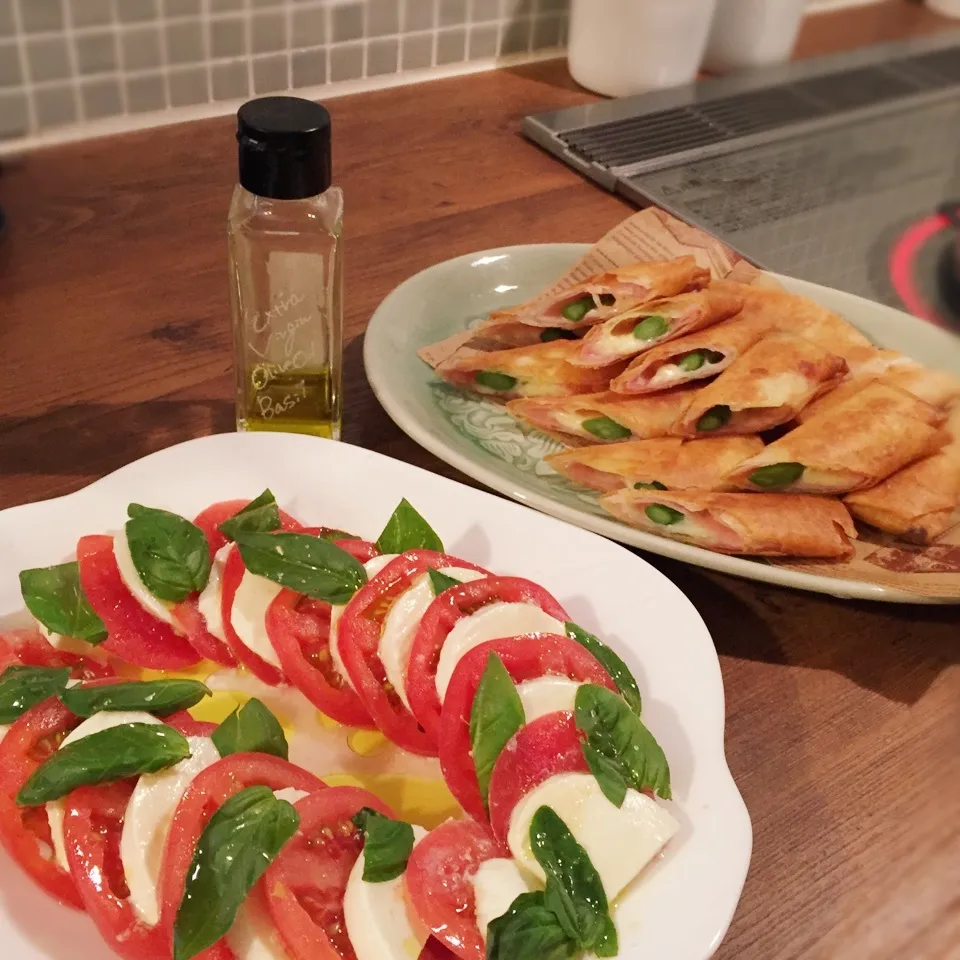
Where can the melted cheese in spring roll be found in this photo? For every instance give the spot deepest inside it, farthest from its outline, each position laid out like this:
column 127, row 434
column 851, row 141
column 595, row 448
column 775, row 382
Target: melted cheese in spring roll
column 936, row 387
column 773, row 525
column 694, row 357
column 641, row 328
column 608, row 294
column 540, row 370
column 767, row 386
column 665, row 463
column 607, row 417
column 854, row 445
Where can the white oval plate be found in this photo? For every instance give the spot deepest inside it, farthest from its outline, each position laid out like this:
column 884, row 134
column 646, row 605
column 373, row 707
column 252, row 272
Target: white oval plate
column 682, row 905
column 480, row 439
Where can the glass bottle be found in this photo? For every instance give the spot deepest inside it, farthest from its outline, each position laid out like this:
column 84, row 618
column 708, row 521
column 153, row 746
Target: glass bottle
column 286, row 273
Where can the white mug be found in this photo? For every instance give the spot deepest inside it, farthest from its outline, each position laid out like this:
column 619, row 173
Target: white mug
column 752, row 33
column 621, row 47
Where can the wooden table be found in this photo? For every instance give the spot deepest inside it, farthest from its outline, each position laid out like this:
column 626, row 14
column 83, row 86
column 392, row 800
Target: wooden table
column 843, row 717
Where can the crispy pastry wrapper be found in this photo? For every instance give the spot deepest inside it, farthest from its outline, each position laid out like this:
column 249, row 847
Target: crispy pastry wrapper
column 854, row 445
column 614, row 339
column 766, row 387
column 644, row 417
column 770, row 525
column 677, row 464
column 539, row 370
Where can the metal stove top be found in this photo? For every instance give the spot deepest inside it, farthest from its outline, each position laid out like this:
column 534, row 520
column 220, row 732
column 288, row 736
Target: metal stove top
column 834, row 170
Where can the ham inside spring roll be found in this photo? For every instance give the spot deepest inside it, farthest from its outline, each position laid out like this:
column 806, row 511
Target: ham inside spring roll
column 605, row 417
column 665, row 463
column 608, row 294
column 773, row 525
column 850, row 447
column 693, row 357
column 766, row 387
column 539, row 370
column 641, row 328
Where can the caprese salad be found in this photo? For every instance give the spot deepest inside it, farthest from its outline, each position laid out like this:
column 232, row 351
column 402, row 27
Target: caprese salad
column 183, row 838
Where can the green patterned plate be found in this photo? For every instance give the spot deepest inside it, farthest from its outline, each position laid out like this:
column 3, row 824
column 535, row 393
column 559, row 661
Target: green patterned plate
column 479, row 437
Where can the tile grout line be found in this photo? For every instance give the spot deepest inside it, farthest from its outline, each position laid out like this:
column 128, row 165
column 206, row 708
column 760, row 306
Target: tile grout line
column 27, row 80
column 70, row 37
column 124, row 98
column 207, row 40
column 164, row 61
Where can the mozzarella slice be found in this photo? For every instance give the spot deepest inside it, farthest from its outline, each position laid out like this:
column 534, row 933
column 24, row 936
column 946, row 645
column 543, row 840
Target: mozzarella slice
column 372, row 567
column 491, row 622
column 547, row 695
column 253, row 935
column 70, row 644
column 147, row 822
column 4, row 730
column 400, row 626
column 208, row 602
column 94, row 724
column 619, row 841
column 128, row 574
column 496, row 884
column 248, row 616
column 381, row 922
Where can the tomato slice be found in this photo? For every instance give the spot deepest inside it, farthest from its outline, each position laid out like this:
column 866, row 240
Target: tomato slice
column 540, row 750
column 25, row 831
column 206, row 794
column 305, row 885
column 191, row 621
column 359, row 632
column 209, row 519
column 439, row 880
column 134, row 635
column 32, row 649
column 441, row 617
column 525, row 658
column 92, row 829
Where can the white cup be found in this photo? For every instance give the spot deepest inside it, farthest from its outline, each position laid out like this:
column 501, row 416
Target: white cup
column 752, row 33
column 621, row 47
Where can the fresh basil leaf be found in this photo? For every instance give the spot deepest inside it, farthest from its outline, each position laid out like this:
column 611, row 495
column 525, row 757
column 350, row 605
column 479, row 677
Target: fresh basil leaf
column 496, row 715
column 618, row 670
column 303, row 563
column 529, row 930
column 54, row 596
column 440, row 581
column 170, row 553
column 24, row 687
column 241, row 840
column 160, row 697
column 617, row 734
column 607, row 773
column 407, row 530
column 574, row 891
column 387, row 845
column 112, row 754
column 609, row 943
column 251, row 728
column 333, row 534
column 258, row 516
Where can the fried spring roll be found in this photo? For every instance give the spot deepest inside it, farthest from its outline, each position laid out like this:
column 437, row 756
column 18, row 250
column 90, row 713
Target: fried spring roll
column 774, row 525
column 639, row 329
column 665, row 463
column 539, row 370
column 694, row 357
column 767, row 386
column 608, row 294
column 936, row 387
column 852, row 446
column 607, row 417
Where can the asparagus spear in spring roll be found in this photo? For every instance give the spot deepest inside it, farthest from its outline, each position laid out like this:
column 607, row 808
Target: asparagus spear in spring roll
column 767, row 386
column 608, row 294
column 607, row 417
column 936, row 387
column 538, row 370
column 775, row 525
column 850, row 447
column 639, row 329
column 919, row 502
column 665, row 463
column 694, row 357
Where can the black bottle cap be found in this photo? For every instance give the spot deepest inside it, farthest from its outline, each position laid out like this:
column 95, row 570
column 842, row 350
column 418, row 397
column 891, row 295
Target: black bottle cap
column 284, row 147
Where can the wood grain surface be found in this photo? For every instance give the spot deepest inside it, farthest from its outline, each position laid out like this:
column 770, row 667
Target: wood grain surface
column 843, row 718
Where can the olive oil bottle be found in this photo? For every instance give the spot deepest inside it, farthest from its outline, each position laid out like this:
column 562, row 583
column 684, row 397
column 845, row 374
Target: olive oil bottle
column 286, row 250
